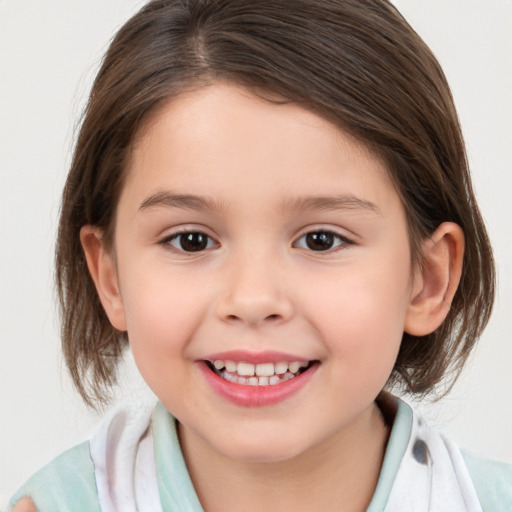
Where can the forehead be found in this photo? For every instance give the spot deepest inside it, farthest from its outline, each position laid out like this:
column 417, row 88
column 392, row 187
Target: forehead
column 223, row 138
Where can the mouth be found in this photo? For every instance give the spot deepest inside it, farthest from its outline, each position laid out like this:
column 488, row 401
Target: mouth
column 257, row 380
column 261, row 374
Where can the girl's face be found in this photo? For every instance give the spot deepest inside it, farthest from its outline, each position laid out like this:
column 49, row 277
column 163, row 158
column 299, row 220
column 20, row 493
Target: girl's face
column 262, row 271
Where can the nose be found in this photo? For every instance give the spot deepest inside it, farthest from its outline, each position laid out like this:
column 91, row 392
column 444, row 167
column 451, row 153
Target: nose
column 255, row 292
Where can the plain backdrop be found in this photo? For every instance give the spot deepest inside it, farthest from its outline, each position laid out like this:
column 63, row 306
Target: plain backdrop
column 49, row 51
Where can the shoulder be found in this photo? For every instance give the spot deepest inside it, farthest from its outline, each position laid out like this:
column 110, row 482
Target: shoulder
column 66, row 483
column 421, row 465
column 492, row 481
column 104, row 473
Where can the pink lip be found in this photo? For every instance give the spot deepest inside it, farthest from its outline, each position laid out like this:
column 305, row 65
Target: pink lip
column 255, row 396
column 254, row 357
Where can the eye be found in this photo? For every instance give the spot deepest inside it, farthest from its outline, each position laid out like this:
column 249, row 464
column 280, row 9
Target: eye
column 190, row 241
column 321, row 241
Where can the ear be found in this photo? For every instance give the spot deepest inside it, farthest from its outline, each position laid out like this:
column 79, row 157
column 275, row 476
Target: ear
column 102, row 267
column 435, row 280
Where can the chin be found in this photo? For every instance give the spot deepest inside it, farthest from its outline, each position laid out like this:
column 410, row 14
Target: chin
column 261, row 450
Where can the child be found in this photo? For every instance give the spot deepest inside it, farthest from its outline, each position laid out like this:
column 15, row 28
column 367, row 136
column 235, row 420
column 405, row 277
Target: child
column 270, row 203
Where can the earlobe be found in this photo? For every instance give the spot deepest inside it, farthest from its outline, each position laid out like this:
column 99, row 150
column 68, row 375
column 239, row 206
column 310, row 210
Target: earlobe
column 435, row 280
column 102, row 268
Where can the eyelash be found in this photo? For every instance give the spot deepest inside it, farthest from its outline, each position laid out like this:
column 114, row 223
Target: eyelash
column 336, row 241
column 342, row 241
column 179, row 238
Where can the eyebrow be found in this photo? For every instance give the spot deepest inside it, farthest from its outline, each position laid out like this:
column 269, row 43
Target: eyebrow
column 328, row 203
column 195, row 202
column 185, row 201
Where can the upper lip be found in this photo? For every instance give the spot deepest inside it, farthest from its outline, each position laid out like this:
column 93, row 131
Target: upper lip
column 245, row 356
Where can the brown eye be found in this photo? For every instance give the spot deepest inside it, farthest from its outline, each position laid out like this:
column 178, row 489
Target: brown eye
column 321, row 241
column 191, row 242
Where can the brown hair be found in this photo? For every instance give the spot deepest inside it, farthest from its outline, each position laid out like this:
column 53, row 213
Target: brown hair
column 355, row 62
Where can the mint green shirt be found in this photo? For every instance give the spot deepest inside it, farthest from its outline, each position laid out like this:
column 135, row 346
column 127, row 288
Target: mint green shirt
column 68, row 483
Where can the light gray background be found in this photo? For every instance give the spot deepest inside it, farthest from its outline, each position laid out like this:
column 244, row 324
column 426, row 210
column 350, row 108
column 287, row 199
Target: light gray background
column 49, row 52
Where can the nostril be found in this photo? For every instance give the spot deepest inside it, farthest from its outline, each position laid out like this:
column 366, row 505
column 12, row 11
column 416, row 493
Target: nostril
column 268, row 318
column 253, row 308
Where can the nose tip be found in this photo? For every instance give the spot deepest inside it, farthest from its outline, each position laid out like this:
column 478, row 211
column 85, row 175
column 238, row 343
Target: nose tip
column 255, row 312
column 254, row 302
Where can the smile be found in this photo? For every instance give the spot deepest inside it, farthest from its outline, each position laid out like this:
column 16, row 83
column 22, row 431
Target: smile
column 262, row 374
column 257, row 379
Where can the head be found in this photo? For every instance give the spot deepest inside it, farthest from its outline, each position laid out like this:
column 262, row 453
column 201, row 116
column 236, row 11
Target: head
column 382, row 87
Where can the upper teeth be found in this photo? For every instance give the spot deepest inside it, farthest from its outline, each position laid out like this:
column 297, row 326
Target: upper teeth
column 261, row 370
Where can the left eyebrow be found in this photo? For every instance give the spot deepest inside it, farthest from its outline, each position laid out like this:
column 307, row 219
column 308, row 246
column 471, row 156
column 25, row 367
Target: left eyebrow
column 327, row 203
column 185, row 201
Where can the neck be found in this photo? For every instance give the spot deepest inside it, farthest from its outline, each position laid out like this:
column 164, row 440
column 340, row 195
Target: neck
column 343, row 469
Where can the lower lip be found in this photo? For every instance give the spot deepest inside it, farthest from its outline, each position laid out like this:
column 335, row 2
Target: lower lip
column 256, row 396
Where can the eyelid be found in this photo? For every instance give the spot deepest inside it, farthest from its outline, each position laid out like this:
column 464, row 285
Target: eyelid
column 165, row 240
column 345, row 240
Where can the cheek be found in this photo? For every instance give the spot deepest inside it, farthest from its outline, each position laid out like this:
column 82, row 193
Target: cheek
column 162, row 314
column 361, row 318
column 161, row 321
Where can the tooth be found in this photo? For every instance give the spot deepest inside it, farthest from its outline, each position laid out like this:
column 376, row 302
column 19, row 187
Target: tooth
column 265, row 369
column 246, row 369
column 252, row 381
column 228, row 376
column 230, row 366
column 263, row 381
column 274, row 380
column 241, row 380
column 281, row 368
column 294, row 367
column 304, row 364
column 218, row 364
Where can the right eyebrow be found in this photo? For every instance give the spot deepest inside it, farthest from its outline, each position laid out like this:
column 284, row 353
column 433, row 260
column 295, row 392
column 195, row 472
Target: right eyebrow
column 186, row 201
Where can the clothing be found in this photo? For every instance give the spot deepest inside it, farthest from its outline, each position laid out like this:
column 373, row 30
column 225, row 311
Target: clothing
column 135, row 463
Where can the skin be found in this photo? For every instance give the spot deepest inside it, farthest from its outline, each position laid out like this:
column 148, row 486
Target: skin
column 258, row 286
column 25, row 505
